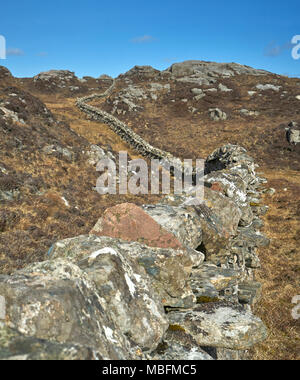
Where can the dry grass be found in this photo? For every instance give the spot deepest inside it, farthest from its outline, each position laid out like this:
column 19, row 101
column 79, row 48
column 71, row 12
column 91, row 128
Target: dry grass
column 280, row 269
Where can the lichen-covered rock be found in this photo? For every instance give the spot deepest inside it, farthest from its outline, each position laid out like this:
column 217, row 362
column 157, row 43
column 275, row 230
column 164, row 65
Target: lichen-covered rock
column 229, row 156
column 220, row 325
column 216, row 114
column 252, row 238
column 56, row 300
column 132, row 303
column 208, row 71
column 210, row 282
column 226, row 210
column 249, row 292
column 217, row 218
column 182, row 222
column 234, row 187
column 177, row 345
column 15, row 346
column 95, row 154
column 168, row 269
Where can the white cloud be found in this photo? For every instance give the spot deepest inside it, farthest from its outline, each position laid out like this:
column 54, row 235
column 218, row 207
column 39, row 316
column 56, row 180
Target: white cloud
column 275, row 50
column 14, row 52
column 143, row 39
column 42, row 54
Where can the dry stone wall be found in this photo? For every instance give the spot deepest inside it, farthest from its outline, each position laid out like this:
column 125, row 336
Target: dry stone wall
column 120, row 128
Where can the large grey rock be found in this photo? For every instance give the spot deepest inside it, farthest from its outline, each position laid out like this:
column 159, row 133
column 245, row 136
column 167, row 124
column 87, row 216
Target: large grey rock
column 56, row 301
column 209, row 70
column 234, row 187
column 220, row 325
column 167, row 270
column 252, row 238
column 133, row 297
column 182, row 222
column 225, row 208
column 217, row 218
column 210, row 282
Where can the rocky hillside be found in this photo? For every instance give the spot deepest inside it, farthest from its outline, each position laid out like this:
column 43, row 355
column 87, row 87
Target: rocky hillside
column 198, row 296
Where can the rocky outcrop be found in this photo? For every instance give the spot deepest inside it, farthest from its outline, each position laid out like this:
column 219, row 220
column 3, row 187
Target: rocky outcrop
column 53, row 79
column 170, row 281
column 141, row 72
column 5, row 73
column 206, row 73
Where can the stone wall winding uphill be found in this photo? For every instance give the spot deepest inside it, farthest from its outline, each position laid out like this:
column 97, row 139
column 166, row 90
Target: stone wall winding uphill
column 120, row 128
column 162, row 281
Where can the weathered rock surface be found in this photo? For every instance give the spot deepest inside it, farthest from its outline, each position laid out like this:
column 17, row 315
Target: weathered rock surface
column 234, row 187
column 177, row 345
column 130, row 222
column 168, row 269
column 181, row 222
column 210, row 283
column 220, row 325
column 55, row 300
column 217, row 219
column 15, row 346
column 120, row 278
column 216, row 114
column 208, row 72
column 293, row 133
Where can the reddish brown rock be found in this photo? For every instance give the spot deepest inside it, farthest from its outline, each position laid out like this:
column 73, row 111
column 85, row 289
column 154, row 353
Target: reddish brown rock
column 129, row 222
column 215, row 186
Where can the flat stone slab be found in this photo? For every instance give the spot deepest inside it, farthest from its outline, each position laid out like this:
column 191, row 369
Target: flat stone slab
column 220, row 325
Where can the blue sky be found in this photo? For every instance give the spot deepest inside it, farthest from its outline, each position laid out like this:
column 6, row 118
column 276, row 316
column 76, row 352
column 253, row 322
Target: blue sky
column 95, row 37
